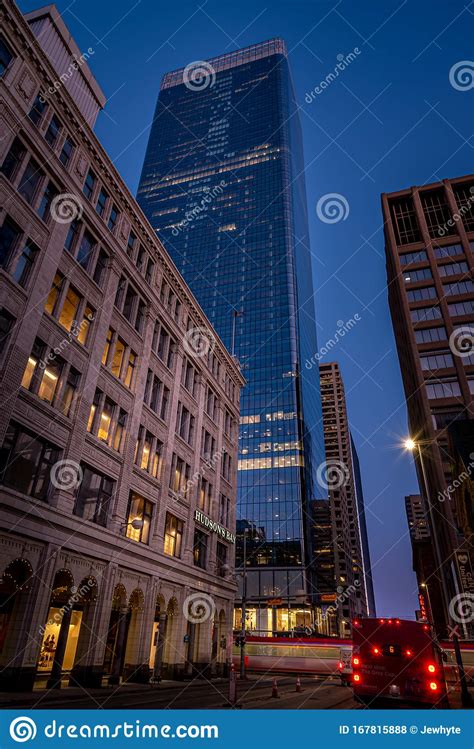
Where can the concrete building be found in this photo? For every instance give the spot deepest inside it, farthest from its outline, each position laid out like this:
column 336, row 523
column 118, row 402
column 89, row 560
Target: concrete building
column 429, row 233
column 355, row 595
column 119, row 404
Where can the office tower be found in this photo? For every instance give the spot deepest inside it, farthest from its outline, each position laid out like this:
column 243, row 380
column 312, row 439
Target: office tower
column 223, row 186
column 110, row 564
column 351, row 550
column 429, row 233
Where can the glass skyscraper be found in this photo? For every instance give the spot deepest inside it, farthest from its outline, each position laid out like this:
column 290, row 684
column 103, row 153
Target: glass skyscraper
column 223, row 185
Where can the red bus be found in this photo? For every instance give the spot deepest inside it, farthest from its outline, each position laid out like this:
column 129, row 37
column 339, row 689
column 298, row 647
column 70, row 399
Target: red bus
column 396, row 660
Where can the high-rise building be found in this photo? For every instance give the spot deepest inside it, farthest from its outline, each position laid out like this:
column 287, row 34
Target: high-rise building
column 118, row 436
column 429, row 234
column 223, row 186
column 351, row 550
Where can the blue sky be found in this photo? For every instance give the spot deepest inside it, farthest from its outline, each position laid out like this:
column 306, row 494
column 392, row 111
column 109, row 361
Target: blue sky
column 390, row 120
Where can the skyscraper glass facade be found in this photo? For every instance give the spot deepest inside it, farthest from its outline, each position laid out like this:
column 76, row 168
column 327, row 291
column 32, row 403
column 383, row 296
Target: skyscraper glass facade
column 223, row 186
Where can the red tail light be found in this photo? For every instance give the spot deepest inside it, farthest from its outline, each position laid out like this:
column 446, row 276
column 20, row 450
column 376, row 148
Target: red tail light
column 433, row 686
column 431, row 668
column 340, row 665
column 356, row 623
column 382, row 621
column 376, row 651
column 356, row 661
column 408, row 652
column 356, row 677
column 389, row 621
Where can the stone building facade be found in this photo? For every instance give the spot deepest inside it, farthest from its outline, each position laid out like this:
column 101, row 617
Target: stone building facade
column 119, row 405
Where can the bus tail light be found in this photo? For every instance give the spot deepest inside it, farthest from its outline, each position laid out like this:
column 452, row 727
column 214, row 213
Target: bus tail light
column 433, row 686
column 431, row 668
column 356, row 677
column 356, row 661
column 340, row 665
column 408, row 652
column 376, row 651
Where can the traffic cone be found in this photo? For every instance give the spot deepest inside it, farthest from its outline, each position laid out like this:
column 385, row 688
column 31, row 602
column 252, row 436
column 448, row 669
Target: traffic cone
column 298, row 684
column 275, row 689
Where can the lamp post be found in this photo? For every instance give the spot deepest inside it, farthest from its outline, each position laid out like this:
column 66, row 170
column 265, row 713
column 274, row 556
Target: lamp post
column 244, row 609
column 411, row 445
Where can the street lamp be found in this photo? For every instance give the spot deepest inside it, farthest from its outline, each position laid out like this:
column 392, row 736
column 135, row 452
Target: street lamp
column 411, row 445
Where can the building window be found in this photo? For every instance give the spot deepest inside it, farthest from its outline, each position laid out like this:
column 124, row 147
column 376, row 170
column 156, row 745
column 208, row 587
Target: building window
column 94, row 497
column 437, row 360
column 13, row 159
column 173, row 535
column 448, row 251
column 421, row 314
column 108, row 343
column 10, row 234
column 411, row 276
column 139, row 509
column 53, row 130
column 131, row 243
column 26, row 461
column 180, row 474
column 100, row 268
column 89, row 184
column 6, row 56
column 107, row 421
column 464, row 194
column 452, row 269
column 211, row 404
column 437, row 213
column 150, row 267
column 221, row 558
column 148, row 452
column 185, row 424
column 420, row 295
column 130, row 369
column 226, row 465
column 86, row 249
column 112, row 222
column 101, row 204
column 66, row 151
column 429, row 335
column 459, row 287
column 72, row 236
column 163, row 345
column 69, row 392
column 413, row 257
column 54, row 293
column 46, row 200
column 188, row 377
column 49, row 382
column 405, row 222
column 445, row 389
column 7, row 322
column 200, row 549
column 30, row 180
column 224, row 509
column 205, row 495
column 38, row 109
column 117, row 359
column 25, row 263
column 458, row 309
